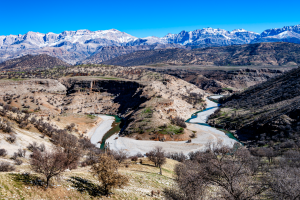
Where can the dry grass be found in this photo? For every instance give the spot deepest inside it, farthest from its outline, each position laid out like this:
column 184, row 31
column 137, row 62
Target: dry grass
column 143, row 178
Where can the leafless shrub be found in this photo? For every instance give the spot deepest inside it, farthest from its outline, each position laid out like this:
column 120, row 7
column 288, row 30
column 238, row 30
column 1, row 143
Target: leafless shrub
column 119, row 155
column 178, row 121
column 32, row 146
column 180, row 157
column 139, row 155
column 42, row 148
column 21, row 152
column 134, row 158
column 190, row 184
column 14, row 156
column 157, row 156
column 3, row 152
column 6, row 167
column 18, row 162
column 107, row 172
column 290, row 158
column 11, row 138
column 85, row 143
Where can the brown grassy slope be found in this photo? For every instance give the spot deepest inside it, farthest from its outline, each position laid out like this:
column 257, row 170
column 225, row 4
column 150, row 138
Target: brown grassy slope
column 143, row 178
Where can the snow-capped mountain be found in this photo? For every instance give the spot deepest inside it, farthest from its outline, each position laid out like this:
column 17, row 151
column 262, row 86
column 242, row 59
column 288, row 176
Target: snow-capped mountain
column 76, row 46
column 218, row 37
column 35, row 39
column 70, row 46
column 285, row 34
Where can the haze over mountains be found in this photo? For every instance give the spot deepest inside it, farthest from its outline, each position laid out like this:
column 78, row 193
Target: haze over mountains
column 76, row 46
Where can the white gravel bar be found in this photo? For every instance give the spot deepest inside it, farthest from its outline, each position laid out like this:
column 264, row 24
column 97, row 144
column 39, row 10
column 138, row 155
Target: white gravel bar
column 105, row 125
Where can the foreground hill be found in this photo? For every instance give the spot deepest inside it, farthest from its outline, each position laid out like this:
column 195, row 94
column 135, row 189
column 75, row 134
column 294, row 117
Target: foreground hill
column 250, row 54
column 265, row 113
column 33, row 62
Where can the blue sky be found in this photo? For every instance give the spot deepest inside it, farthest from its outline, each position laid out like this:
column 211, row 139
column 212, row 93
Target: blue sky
column 145, row 18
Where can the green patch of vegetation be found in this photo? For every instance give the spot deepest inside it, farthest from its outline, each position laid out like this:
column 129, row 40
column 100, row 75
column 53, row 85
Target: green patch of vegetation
column 147, row 110
column 107, row 78
column 91, row 116
column 228, row 89
column 17, row 79
column 170, row 129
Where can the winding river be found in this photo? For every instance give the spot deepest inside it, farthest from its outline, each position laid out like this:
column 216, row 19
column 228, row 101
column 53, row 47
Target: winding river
column 197, row 123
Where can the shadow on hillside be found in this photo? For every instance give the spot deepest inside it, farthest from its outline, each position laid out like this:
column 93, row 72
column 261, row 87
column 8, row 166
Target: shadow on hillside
column 83, row 185
column 28, row 179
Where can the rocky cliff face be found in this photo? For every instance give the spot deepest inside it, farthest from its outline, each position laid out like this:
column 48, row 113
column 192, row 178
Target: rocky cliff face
column 103, row 96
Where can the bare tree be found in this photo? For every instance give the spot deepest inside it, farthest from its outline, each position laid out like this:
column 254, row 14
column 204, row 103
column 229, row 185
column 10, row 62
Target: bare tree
column 49, row 164
column 119, row 155
column 6, row 167
column 157, row 156
column 107, row 172
column 284, row 183
column 189, row 183
column 235, row 173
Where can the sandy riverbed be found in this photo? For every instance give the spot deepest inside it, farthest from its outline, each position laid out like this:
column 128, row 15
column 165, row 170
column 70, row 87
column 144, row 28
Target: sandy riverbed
column 105, row 125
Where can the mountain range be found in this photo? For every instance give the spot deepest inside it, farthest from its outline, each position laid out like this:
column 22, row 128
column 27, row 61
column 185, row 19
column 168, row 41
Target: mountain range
column 77, row 46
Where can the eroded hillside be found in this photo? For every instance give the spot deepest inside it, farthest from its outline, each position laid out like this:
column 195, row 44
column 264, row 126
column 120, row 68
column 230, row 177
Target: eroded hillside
column 265, row 114
column 147, row 101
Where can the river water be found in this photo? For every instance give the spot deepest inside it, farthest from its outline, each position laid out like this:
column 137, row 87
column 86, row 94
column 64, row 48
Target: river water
column 201, row 117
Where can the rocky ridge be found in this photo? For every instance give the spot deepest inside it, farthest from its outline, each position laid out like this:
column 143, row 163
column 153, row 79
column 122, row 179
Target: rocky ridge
column 31, row 62
column 221, row 81
column 110, row 52
column 283, row 54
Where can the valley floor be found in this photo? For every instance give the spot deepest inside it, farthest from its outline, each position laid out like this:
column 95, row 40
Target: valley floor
column 204, row 134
